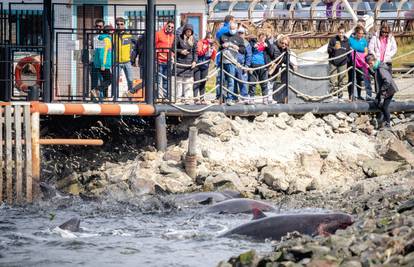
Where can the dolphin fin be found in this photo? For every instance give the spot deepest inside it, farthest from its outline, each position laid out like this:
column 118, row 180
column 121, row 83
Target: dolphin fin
column 71, row 225
column 258, row 214
column 208, row 201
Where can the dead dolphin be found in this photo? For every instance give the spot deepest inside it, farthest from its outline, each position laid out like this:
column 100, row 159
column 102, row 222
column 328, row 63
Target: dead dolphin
column 204, row 197
column 275, row 227
column 238, row 205
column 71, row 225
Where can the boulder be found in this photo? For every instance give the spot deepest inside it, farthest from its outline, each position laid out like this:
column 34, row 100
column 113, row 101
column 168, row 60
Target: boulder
column 213, row 123
column 378, row 167
column 173, row 154
column 341, row 115
column 222, row 181
column 409, row 134
column 261, row 118
column 332, row 121
column 280, row 123
column 275, row 178
column 397, row 151
column 300, row 184
column 311, row 163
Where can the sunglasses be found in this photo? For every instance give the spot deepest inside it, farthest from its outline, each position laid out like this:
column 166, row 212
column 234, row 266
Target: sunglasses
column 170, row 27
column 120, row 24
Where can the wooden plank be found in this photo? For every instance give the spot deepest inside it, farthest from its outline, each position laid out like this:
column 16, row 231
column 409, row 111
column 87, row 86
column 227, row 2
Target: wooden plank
column 28, row 150
column 18, row 154
column 1, row 154
column 9, row 159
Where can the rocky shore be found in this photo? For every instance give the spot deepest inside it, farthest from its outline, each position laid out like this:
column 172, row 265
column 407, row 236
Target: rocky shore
column 338, row 162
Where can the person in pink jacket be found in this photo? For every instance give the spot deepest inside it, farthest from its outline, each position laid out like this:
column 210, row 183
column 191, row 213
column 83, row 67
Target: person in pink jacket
column 383, row 46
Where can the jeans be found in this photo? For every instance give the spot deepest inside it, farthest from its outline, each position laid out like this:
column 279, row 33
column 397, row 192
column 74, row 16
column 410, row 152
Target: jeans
column 200, row 74
column 384, row 108
column 337, row 82
column 96, row 77
column 241, row 87
column 358, row 79
column 163, row 69
column 257, row 76
column 127, row 68
column 229, row 81
column 368, row 86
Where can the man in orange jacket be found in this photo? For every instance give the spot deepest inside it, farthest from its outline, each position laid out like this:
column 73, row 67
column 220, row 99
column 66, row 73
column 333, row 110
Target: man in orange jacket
column 164, row 40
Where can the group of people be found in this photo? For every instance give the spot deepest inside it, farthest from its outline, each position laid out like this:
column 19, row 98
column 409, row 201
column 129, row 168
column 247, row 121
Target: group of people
column 381, row 44
column 242, row 61
column 102, row 57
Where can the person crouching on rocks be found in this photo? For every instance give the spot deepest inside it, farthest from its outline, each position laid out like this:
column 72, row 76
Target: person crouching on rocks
column 386, row 88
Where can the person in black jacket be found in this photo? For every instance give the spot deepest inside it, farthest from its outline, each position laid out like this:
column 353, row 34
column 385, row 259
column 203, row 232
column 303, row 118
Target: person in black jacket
column 338, row 45
column 386, row 88
column 186, row 58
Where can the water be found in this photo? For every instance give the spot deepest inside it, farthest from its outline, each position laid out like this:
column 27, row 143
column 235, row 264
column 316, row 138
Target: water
column 118, row 234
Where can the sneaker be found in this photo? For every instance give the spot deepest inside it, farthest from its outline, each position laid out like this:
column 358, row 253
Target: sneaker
column 369, row 98
column 94, row 94
column 251, row 101
column 360, row 98
column 229, row 102
column 265, row 101
column 270, row 100
column 387, row 125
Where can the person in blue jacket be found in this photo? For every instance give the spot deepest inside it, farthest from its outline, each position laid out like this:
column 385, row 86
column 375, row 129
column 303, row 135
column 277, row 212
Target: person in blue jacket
column 358, row 43
column 244, row 59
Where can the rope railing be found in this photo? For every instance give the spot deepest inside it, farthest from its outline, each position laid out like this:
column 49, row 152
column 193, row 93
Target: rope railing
column 190, row 65
column 210, row 75
column 238, row 65
column 321, row 59
column 256, row 97
column 321, row 77
column 257, row 82
column 403, row 55
column 318, row 98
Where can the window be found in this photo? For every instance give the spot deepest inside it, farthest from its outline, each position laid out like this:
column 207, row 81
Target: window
column 241, row 6
column 222, row 7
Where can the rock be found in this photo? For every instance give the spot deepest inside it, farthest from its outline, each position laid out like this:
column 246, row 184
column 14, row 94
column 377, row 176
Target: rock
column 306, row 121
column 353, row 115
column 149, row 155
column 322, row 263
column 261, row 118
column 226, row 136
column 166, row 168
column 284, row 116
column 397, row 151
column 206, row 153
column 174, row 155
column 408, row 259
column 377, row 167
column 275, row 178
column 213, row 123
column 280, row 123
column 341, row 115
column 362, row 188
column 409, row 134
column 408, row 205
column 177, row 183
column 202, row 173
column 362, row 121
column 332, row 121
column 350, row 263
column 73, row 189
column 300, row 184
column 265, row 192
column 311, row 163
column 229, row 180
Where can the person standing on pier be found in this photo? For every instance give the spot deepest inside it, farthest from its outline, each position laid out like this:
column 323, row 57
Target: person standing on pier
column 338, row 45
column 124, row 47
column 164, row 40
column 359, row 44
column 386, row 88
column 230, row 45
column 383, row 45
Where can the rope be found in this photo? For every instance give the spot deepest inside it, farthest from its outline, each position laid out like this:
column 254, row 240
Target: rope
column 191, row 110
column 260, row 97
column 189, row 65
column 405, row 74
column 211, row 74
column 256, row 68
column 403, row 55
column 318, row 78
column 259, row 82
column 322, row 60
column 317, row 98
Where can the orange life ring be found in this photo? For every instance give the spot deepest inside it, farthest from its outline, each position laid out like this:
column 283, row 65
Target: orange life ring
column 21, row 85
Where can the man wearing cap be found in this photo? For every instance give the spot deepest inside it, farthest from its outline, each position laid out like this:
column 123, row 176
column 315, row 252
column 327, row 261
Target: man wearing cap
column 244, row 59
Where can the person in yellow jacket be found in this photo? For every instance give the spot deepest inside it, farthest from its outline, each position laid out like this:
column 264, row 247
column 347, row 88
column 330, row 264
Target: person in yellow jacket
column 124, row 45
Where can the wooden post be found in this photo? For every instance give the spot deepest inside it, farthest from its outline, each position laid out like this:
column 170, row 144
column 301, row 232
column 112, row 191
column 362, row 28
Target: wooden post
column 191, row 156
column 161, row 132
column 18, row 154
column 28, row 150
column 9, row 159
column 35, row 151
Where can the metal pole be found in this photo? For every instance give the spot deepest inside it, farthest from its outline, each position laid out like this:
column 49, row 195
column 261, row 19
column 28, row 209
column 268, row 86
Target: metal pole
column 221, row 76
column 161, row 132
column 285, row 101
column 354, row 87
column 149, row 48
column 191, row 156
column 47, row 60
